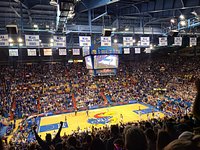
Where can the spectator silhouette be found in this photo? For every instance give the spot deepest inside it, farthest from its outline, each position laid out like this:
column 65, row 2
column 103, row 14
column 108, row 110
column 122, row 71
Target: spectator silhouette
column 49, row 143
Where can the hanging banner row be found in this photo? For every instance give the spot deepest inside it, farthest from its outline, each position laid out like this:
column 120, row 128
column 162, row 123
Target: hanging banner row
column 60, row 41
column 75, row 52
column 129, row 41
column 34, row 41
column 46, row 52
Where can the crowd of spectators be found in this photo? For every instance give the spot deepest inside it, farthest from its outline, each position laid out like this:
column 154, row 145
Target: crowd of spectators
column 165, row 83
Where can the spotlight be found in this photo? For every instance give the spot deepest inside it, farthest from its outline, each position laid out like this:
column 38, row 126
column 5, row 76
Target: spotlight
column 172, row 20
column 51, row 44
column 115, row 40
column 183, row 23
column 35, row 26
column 20, row 40
column 194, row 13
column 51, row 40
column 10, row 40
column 182, row 17
column 114, row 29
column 126, row 29
column 53, row 3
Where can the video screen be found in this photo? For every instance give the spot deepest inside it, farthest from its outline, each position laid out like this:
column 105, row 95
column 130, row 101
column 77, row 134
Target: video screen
column 88, row 61
column 105, row 61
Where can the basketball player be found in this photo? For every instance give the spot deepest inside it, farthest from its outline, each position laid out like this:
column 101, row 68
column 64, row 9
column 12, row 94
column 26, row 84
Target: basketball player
column 121, row 118
column 140, row 114
column 87, row 112
column 76, row 111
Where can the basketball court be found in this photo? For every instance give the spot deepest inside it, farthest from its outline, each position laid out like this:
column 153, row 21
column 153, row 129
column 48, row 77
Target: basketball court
column 97, row 118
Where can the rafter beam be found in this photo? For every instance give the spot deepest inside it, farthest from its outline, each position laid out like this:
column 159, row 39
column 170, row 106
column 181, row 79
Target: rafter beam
column 85, row 5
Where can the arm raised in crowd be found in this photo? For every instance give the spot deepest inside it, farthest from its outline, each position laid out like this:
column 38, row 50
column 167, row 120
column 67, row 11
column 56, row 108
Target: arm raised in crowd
column 42, row 143
column 57, row 137
column 196, row 105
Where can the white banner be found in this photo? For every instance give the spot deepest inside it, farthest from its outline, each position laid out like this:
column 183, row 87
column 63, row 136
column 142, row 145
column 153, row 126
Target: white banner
column 4, row 40
column 86, row 50
column 62, row 52
column 13, row 52
column 76, row 51
column 32, row 40
column 84, row 40
column 137, row 51
column 105, row 41
column 47, row 52
column 193, row 41
column 31, row 52
column 59, row 41
column 162, row 41
column 128, row 41
column 178, row 41
column 127, row 51
column 145, row 41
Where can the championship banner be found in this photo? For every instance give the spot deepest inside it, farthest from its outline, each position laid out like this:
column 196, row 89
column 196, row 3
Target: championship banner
column 59, row 41
column 47, row 52
column 62, row 52
column 178, row 41
column 193, row 41
column 105, row 41
column 86, row 50
column 13, row 52
column 76, row 51
column 127, row 51
column 32, row 40
column 31, row 52
column 137, row 51
column 162, row 41
column 128, row 41
column 4, row 40
column 145, row 41
column 84, row 40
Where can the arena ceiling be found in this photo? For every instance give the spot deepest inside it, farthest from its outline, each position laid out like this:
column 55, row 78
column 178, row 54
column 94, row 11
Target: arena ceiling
column 74, row 17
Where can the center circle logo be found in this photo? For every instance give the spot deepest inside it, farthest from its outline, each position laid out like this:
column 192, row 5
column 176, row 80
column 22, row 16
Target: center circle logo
column 103, row 118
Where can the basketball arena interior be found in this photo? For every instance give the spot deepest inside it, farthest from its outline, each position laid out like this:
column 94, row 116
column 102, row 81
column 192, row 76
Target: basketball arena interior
column 99, row 75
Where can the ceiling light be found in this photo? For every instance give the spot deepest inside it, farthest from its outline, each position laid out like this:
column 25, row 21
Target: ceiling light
column 51, row 44
column 70, row 15
column 115, row 40
column 47, row 26
column 134, row 40
column 53, row 3
column 20, row 44
column 194, row 13
column 183, row 23
column 10, row 40
column 182, row 17
column 126, row 29
column 20, row 40
column 11, row 44
column 51, row 40
column 35, row 26
column 114, row 29
column 172, row 20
